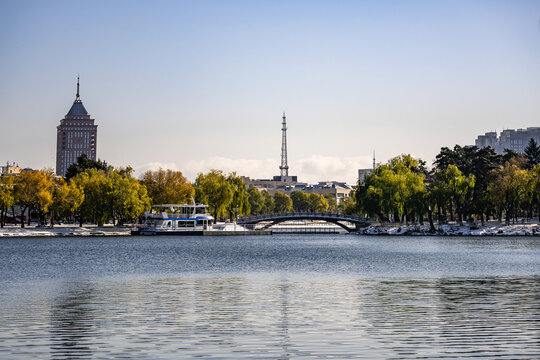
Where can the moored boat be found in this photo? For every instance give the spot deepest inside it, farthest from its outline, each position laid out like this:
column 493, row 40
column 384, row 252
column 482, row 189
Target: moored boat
column 176, row 219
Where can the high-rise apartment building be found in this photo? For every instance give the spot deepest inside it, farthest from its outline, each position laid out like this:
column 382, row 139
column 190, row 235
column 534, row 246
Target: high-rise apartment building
column 76, row 135
column 515, row 140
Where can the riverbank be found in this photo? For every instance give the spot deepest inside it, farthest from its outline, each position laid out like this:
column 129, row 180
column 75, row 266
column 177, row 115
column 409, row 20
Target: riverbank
column 495, row 229
column 63, row 230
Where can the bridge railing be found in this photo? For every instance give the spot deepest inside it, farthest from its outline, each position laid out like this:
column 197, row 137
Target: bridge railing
column 302, row 214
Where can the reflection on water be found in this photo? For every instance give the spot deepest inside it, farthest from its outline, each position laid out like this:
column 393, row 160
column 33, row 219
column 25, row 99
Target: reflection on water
column 277, row 298
column 278, row 317
column 72, row 322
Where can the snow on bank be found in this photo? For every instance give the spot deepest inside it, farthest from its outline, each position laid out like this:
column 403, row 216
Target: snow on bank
column 487, row 230
column 34, row 231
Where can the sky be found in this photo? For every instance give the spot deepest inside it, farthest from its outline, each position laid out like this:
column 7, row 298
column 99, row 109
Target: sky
column 200, row 85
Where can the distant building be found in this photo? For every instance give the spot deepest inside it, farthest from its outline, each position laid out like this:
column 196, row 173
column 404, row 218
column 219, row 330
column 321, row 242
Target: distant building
column 338, row 190
column 515, row 140
column 362, row 173
column 286, row 183
column 279, row 180
column 76, row 135
column 10, row 169
column 271, row 185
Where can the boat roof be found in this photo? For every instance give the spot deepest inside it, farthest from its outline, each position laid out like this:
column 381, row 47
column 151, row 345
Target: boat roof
column 178, row 205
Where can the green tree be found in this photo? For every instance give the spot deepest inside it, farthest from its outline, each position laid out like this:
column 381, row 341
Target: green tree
column 129, row 198
column 348, row 205
column 239, row 204
column 395, row 189
column 438, row 196
column 269, row 205
column 300, row 201
column 317, row 203
column 332, row 203
column 461, row 188
column 256, row 200
column 214, row 190
column 283, row 202
column 471, row 160
column 532, row 153
column 98, row 196
column 512, row 186
column 167, row 187
column 7, row 198
column 85, row 163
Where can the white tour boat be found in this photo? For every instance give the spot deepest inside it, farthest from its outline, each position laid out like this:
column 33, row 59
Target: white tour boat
column 175, row 219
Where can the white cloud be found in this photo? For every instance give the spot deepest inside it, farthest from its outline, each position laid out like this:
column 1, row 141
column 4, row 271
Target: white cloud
column 312, row 169
column 321, row 167
column 155, row 166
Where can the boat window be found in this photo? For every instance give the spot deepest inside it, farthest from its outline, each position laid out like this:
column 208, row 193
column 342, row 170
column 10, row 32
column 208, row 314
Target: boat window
column 168, row 224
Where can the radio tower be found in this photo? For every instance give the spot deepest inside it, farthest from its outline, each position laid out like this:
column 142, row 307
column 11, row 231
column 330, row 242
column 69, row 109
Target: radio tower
column 284, row 168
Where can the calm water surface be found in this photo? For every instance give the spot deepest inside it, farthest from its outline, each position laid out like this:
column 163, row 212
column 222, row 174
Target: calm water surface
column 279, row 297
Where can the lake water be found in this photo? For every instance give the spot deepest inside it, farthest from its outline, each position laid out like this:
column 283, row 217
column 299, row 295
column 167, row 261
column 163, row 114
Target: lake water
column 270, row 297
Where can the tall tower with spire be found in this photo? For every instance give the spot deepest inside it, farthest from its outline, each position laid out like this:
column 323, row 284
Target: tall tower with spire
column 76, row 135
column 284, row 168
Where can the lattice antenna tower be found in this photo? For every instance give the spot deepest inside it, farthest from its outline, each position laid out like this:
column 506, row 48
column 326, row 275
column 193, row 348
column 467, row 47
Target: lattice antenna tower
column 284, row 168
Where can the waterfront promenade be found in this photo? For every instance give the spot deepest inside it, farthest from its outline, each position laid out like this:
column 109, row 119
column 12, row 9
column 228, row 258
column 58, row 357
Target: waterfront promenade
column 64, row 230
column 491, row 228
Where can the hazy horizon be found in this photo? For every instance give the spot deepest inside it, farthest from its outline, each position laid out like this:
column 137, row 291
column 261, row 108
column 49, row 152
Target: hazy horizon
column 198, row 85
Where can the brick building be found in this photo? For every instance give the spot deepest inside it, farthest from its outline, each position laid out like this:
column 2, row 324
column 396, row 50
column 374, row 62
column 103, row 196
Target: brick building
column 76, row 135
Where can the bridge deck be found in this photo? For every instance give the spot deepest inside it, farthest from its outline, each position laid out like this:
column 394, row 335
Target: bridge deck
column 337, row 219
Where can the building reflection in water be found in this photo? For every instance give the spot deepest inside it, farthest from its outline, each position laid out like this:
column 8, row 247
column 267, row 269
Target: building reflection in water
column 284, row 337
column 72, row 322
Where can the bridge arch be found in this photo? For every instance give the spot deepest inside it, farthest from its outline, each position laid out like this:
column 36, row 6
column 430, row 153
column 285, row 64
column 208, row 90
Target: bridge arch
column 337, row 219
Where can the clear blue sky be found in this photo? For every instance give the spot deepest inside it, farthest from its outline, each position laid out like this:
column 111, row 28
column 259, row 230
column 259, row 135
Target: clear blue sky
column 194, row 85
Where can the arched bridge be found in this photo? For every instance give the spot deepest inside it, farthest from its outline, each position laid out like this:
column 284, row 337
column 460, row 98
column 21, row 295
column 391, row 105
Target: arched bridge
column 348, row 222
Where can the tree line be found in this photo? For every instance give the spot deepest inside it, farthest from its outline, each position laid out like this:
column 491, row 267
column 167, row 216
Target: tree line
column 465, row 184
column 95, row 192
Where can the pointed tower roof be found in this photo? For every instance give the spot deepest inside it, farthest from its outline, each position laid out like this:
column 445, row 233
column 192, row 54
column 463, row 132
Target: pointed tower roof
column 77, row 108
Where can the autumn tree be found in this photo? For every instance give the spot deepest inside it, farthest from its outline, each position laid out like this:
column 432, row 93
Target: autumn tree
column 332, row 203
column 67, row 199
column 129, row 198
column 7, row 198
column 214, row 190
column 33, row 191
column 511, row 187
column 167, row 187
